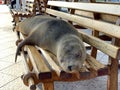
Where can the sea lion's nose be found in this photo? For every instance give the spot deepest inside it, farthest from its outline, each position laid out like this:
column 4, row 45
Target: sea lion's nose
column 70, row 68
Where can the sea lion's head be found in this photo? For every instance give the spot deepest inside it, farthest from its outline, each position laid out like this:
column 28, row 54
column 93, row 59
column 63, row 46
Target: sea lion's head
column 71, row 53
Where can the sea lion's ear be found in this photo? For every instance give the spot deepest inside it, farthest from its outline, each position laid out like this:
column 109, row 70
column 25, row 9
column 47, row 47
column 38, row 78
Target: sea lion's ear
column 70, row 68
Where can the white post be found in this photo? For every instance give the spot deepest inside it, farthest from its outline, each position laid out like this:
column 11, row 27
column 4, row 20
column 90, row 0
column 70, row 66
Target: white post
column 23, row 4
column 17, row 4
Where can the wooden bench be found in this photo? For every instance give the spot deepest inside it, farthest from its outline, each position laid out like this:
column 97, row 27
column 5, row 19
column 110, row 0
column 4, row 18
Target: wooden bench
column 42, row 4
column 31, row 9
column 42, row 67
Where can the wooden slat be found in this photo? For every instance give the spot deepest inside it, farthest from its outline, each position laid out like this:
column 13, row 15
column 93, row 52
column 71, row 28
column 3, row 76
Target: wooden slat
column 107, row 28
column 38, row 63
column 27, row 73
column 48, row 86
column 54, row 66
column 29, row 9
column 101, row 45
column 93, row 63
column 96, row 67
column 84, row 13
column 93, row 7
column 104, row 17
column 109, row 18
column 29, row 4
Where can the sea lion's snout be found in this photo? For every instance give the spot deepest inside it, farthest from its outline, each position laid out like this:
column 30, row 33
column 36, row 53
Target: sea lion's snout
column 73, row 68
column 70, row 68
column 71, row 65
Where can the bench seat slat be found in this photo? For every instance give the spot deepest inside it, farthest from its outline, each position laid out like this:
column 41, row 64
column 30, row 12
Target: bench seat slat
column 104, row 27
column 53, row 65
column 20, row 13
column 38, row 63
column 93, row 63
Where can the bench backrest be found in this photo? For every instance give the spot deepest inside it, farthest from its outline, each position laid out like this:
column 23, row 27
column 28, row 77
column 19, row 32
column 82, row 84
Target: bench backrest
column 109, row 29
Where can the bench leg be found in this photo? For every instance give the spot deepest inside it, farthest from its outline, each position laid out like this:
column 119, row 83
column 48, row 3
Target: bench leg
column 48, row 86
column 18, row 34
column 113, row 77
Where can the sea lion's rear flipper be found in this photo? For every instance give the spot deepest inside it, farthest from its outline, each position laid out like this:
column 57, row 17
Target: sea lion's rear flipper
column 20, row 45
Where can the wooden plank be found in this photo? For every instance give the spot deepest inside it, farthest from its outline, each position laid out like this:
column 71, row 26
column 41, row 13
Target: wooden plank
column 48, row 86
column 96, row 67
column 101, row 45
column 113, row 76
column 39, row 65
column 93, row 7
column 84, row 13
column 107, row 28
column 104, row 17
column 109, row 18
column 29, row 78
column 54, row 66
column 93, row 63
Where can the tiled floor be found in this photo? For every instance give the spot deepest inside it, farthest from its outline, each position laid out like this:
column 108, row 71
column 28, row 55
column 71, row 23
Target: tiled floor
column 10, row 72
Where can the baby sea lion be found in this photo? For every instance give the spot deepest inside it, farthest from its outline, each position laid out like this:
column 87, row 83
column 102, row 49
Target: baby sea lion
column 57, row 36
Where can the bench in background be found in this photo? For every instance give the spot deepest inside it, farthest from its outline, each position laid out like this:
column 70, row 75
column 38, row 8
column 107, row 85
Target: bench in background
column 32, row 8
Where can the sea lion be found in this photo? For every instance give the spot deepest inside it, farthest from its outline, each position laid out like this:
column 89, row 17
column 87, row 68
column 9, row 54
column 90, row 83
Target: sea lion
column 57, row 36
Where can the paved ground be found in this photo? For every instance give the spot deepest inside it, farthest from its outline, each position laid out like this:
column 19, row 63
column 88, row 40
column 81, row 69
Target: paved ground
column 10, row 72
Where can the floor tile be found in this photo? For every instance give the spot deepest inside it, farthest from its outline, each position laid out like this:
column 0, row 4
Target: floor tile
column 17, row 69
column 11, row 58
column 4, row 65
column 17, row 84
column 5, row 79
column 7, row 52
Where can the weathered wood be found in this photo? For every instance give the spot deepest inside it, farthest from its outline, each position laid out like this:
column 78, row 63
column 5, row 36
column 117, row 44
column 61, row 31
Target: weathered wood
column 95, row 33
column 42, row 5
column 48, row 85
column 95, row 65
column 104, row 17
column 29, row 78
column 54, row 66
column 38, row 63
column 101, row 45
column 104, row 27
column 92, row 7
column 113, row 75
